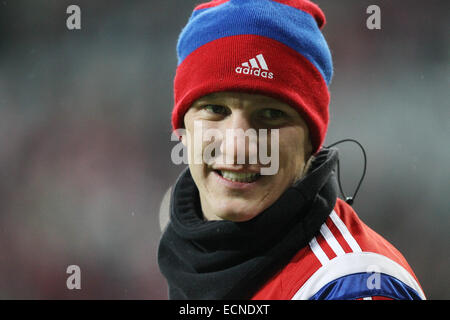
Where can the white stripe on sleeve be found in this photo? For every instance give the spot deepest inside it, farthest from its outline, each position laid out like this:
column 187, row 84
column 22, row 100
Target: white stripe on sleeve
column 345, row 232
column 331, row 240
column 320, row 254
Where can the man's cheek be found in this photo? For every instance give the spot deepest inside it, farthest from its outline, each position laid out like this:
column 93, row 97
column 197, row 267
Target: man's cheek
column 194, row 152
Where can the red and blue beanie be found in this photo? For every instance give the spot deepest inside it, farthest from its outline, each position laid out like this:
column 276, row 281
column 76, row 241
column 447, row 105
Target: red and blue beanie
column 270, row 47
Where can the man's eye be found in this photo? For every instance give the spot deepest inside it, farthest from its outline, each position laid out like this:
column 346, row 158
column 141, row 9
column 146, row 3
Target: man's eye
column 216, row 109
column 272, row 114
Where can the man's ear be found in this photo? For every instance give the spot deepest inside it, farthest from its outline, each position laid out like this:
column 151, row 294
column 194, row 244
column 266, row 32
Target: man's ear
column 306, row 168
column 182, row 135
column 164, row 210
column 308, row 155
column 308, row 165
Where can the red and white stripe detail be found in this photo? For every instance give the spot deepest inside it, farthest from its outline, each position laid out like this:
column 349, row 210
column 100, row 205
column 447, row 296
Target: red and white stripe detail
column 326, row 246
column 351, row 263
column 340, row 254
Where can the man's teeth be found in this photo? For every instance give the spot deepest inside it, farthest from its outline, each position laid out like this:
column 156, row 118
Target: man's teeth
column 239, row 176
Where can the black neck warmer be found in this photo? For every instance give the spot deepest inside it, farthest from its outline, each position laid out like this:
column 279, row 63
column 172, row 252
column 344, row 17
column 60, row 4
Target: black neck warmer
column 232, row 260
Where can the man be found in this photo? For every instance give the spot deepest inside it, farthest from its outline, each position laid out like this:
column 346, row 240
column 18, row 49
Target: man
column 235, row 233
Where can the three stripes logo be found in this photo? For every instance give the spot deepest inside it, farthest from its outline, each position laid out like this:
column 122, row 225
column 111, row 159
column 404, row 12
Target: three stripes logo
column 259, row 70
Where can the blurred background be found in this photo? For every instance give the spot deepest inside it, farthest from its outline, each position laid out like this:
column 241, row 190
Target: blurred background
column 85, row 138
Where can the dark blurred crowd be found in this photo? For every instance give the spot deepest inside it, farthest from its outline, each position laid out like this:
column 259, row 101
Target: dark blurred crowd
column 85, row 138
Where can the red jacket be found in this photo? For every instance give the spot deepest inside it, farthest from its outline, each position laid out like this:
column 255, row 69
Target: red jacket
column 346, row 260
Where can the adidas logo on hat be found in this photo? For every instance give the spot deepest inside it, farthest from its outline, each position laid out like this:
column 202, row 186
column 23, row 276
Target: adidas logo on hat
column 254, row 68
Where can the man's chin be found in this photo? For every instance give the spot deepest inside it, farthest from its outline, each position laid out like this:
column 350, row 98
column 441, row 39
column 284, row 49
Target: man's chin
column 238, row 213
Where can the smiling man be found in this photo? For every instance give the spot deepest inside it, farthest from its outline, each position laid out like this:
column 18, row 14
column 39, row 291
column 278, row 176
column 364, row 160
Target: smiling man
column 239, row 192
column 263, row 66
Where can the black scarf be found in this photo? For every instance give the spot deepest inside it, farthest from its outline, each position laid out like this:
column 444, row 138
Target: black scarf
column 232, row 260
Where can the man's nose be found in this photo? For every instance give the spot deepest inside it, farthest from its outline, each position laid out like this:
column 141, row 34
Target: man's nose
column 240, row 144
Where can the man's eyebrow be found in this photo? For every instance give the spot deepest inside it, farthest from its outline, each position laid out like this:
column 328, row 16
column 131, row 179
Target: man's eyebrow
column 206, row 98
column 199, row 101
column 213, row 95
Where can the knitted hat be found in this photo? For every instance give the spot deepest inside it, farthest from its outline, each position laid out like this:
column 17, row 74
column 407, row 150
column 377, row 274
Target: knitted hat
column 270, row 47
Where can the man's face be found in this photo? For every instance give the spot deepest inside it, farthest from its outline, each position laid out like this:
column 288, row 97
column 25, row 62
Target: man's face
column 233, row 190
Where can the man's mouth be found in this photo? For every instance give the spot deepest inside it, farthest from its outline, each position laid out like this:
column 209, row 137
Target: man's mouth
column 245, row 177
